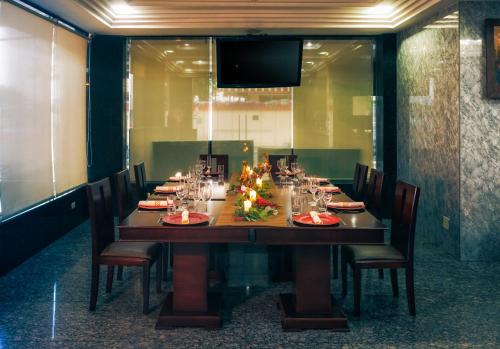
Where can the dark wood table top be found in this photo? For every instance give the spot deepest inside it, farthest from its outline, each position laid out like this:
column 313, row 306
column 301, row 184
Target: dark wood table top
column 360, row 227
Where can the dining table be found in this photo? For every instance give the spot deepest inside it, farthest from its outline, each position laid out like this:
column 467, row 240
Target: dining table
column 192, row 303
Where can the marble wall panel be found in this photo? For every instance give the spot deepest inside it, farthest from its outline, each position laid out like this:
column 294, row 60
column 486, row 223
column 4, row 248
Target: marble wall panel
column 479, row 136
column 428, row 125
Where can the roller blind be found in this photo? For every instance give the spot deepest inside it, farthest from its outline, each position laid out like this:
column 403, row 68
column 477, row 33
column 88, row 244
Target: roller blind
column 42, row 110
column 69, row 117
column 25, row 106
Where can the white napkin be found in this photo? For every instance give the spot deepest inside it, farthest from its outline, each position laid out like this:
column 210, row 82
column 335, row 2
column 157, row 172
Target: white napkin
column 185, row 217
column 171, row 188
column 353, row 204
column 156, row 203
column 315, row 217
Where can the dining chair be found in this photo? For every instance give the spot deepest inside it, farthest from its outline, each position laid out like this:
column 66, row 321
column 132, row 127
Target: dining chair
column 140, row 181
column 107, row 251
column 359, row 181
column 220, row 159
column 373, row 199
column 273, row 159
column 124, row 201
column 397, row 254
column 358, row 188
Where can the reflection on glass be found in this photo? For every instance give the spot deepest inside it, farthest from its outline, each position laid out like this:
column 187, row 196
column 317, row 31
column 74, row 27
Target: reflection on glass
column 328, row 120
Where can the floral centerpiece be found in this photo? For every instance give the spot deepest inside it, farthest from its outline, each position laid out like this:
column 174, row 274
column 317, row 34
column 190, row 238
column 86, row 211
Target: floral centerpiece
column 252, row 202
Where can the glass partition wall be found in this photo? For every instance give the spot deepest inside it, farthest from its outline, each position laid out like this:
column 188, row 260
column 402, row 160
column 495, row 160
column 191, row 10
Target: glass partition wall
column 176, row 110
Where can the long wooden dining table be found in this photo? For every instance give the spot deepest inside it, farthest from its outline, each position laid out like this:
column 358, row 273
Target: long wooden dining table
column 193, row 304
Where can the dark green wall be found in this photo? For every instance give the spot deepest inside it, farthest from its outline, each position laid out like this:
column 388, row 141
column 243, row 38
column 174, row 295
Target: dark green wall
column 107, row 141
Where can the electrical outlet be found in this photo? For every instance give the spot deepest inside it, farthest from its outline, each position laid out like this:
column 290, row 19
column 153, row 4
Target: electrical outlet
column 446, row 223
column 73, row 205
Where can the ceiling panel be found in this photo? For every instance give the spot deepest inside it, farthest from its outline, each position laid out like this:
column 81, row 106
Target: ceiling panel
column 236, row 17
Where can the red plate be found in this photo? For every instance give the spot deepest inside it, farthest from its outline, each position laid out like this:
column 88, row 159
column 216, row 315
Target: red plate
column 194, row 219
column 307, row 220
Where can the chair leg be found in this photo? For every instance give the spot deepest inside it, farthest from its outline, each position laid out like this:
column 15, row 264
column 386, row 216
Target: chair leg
column 394, row 282
column 94, row 286
column 159, row 268
column 343, row 272
column 381, row 273
column 145, row 287
column 119, row 273
column 410, row 291
column 357, row 290
column 109, row 281
column 335, row 256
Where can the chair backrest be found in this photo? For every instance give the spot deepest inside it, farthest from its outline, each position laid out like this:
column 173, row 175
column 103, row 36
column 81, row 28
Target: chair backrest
column 100, row 203
column 220, row 159
column 374, row 192
column 273, row 159
column 123, row 192
column 140, row 181
column 404, row 217
column 359, row 181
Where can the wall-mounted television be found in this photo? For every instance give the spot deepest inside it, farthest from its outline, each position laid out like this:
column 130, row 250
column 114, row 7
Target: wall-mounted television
column 259, row 62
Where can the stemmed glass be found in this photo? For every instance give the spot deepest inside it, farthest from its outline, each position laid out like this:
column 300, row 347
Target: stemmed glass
column 327, row 198
column 206, row 193
column 181, row 192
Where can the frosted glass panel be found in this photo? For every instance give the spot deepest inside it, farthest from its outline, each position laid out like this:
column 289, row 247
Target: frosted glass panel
column 333, row 113
column 169, row 100
column 25, row 106
column 69, row 110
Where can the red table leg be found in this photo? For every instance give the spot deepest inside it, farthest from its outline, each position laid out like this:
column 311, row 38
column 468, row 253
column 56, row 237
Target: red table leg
column 312, row 305
column 190, row 304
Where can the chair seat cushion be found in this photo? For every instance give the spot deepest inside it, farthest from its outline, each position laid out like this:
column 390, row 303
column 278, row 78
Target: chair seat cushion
column 132, row 249
column 372, row 252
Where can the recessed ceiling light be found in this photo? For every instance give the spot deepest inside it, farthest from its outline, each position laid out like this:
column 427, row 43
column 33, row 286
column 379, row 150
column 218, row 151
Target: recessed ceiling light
column 309, row 44
column 169, row 51
column 380, row 9
column 186, row 44
column 179, row 62
column 310, row 62
column 122, row 8
column 188, row 70
column 324, row 53
column 200, row 62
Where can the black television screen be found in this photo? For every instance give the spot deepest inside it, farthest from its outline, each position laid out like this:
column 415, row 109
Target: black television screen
column 259, row 62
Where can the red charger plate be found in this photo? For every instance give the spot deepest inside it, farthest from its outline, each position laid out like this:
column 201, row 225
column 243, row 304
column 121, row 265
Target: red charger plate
column 307, row 220
column 194, row 219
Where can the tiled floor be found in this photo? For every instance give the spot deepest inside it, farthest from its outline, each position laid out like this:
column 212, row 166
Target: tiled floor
column 43, row 303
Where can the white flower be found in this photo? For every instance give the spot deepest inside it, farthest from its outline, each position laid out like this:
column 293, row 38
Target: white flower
column 268, row 208
column 275, row 212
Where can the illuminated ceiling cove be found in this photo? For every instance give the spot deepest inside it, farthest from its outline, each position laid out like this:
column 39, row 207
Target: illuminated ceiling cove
column 151, row 17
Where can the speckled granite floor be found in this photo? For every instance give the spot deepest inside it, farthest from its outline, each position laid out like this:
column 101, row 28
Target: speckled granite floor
column 43, row 304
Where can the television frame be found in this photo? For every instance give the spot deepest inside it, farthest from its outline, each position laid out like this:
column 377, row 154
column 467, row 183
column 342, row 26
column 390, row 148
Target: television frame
column 253, row 39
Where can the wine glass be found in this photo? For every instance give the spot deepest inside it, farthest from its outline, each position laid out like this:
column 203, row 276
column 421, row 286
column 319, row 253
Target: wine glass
column 181, row 192
column 207, row 192
column 327, row 198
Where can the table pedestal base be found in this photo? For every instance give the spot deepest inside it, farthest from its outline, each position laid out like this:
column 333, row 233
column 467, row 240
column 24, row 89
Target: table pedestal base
column 291, row 320
column 210, row 319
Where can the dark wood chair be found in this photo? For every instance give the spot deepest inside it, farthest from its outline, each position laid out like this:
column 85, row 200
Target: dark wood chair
column 373, row 199
column 140, row 181
column 220, row 159
column 357, row 192
column 397, row 254
column 359, row 181
column 273, row 159
column 124, row 201
column 374, row 193
column 107, row 251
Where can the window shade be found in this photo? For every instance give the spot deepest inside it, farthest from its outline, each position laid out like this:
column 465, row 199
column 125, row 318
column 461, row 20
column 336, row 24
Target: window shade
column 69, row 117
column 25, row 105
column 42, row 109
